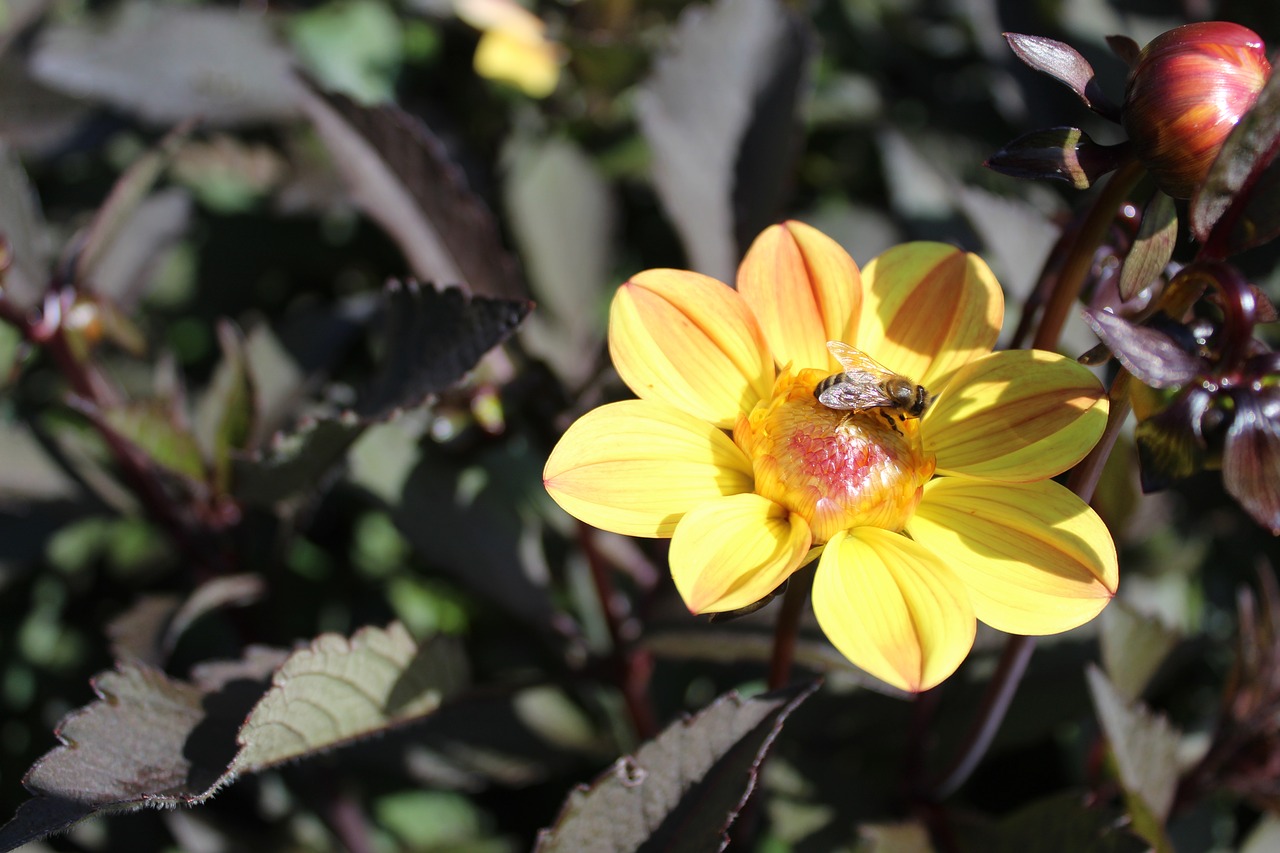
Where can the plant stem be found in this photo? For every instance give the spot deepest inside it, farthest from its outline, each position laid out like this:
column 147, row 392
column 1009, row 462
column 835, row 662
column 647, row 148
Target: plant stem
column 631, row 666
column 1080, row 260
column 1004, row 683
column 787, row 629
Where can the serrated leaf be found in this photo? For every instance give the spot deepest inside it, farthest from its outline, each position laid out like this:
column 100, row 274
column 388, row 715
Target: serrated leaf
column 295, row 461
column 219, row 65
column 227, row 413
column 1236, row 208
column 1133, row 647
column 1149, row 354
column 338, row 690
column 698, row 107
column 1143, row 744
column 1063, row 63
column 682, row 790
column 1060, row 153
column 401, row 176
column 1153, row 246
column 126, row 196
column 568, row 255
column 433, row 337
column 153, row 740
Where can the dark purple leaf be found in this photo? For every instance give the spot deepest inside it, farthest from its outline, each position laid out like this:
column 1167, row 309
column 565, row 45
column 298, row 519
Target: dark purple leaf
column 1063, row 63
column 39, row 817
column 433, row 337
column 682, row 790
column 1170, row 443
column 1236, row 206
column 1153, row 357
column 1153, row 247
column 399, row 174
column 227, row 415
column 296, row 461
column 1125, row 48
column 1251, row 455
column 1061, row 153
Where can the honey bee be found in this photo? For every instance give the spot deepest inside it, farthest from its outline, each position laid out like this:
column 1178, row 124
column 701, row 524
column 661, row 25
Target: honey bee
column 866, row 384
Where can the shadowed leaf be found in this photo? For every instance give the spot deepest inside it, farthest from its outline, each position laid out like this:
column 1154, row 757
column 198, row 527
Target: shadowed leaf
column 1133, row 647
column 149, row 630
column 1125, row 48
column 22, row 226
column 433, row 337
column 1145, row 748
column 401, row 176
column 227, row 413
column 1251, row 456
column 1152, row 248
column 295, row 461
column 220, row 65
column 731, row 60
column 153, row 428
column 1063, row 63
column 1061, row 153
column 1064, row 822
column 682, row 790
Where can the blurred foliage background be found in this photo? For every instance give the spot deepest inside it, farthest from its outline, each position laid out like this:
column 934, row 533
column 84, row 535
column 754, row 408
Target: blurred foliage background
column 876, row 130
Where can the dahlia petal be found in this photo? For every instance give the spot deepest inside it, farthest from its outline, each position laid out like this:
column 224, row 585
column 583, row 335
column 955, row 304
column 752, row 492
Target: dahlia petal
column 636, row 467
column 805, row 290
column 731, row 552
column 1016, row 416
column 893, row 608
column 928, row 309
column 690, row 341
column 1036, row 559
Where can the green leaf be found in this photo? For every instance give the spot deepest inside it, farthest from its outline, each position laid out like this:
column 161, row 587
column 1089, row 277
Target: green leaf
column 353, row 47
column 682, row 790
column 1153, row 247
column 154, row 428
column 339, row 690
column 568, row 255
column 1068, row 822
column 1145, row 748
column 227, row 413
column 705, row 98
column 1133, row 647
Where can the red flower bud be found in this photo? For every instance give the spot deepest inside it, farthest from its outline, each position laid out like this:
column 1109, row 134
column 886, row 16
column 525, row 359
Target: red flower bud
column 1186, row 91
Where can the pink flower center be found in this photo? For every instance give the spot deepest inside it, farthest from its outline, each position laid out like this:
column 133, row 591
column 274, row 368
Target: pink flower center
column 837, row 470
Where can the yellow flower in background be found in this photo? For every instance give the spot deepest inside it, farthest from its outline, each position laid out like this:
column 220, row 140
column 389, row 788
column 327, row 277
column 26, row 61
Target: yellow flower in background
column 921, row 525
column 513, row 47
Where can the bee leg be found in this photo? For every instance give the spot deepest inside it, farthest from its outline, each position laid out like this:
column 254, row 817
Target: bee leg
column 888, row 417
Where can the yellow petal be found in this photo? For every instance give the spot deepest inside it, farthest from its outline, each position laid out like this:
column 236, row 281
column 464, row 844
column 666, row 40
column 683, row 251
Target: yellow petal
column 893, row 608
column 531, row 63
column 732, row 552
column 690, row 341
column 1036, row 558
column 928, row 309
column 1018, row 415
column 804, row 289
column 499, row 15
column 636, row 467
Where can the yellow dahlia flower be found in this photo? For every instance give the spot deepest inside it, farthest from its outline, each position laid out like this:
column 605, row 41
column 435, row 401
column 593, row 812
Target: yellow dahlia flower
column 921, row 525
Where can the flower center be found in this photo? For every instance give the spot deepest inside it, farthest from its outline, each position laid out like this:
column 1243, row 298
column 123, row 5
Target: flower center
column 835, row 469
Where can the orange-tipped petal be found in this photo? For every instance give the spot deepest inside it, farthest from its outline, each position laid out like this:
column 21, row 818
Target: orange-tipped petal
column 729, row 553
column 893, row 608
column 690, row 341
column 928, row 309
column 637, row 467
column 805, row 290
column 1017, row 415
column 1036, row 558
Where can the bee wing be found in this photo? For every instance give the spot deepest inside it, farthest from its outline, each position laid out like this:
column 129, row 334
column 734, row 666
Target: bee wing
column 855, row 392
column 855, row 361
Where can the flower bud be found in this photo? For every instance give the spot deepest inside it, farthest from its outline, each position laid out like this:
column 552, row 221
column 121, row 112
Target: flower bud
column 1186, row 91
